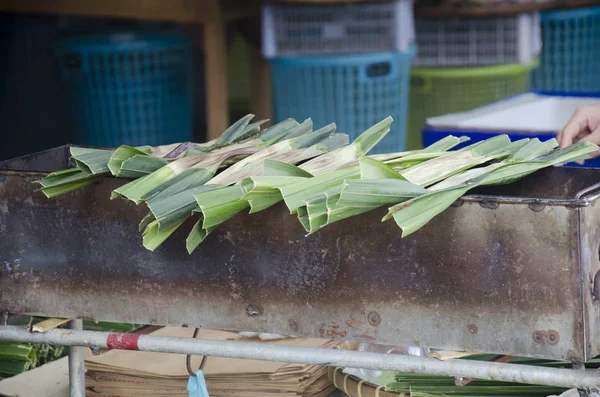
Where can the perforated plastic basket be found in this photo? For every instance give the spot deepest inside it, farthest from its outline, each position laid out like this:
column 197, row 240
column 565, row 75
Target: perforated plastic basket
column 511, row 39
column 435, row 92
column 291, row 30
column 133, row 89
column 571, row 51
column 355, row 92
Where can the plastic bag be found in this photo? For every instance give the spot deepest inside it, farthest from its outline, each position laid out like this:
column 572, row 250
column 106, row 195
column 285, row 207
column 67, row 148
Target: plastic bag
column 378, row 377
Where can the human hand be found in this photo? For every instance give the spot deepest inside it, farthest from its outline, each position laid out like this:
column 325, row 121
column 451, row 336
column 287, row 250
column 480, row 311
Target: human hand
column 583, row 126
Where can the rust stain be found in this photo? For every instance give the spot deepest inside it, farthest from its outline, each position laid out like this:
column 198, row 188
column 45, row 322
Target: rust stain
column 472, row 328
column 333, row 334
column 553, row 337
column 374, row 319
column 366, row 335
column 550, row 337
column 333, row 331
column 540, row 337
column 353, row 323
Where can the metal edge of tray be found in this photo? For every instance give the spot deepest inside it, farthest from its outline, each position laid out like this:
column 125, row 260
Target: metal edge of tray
column 589, row 274
column 492, row 201
column 44, row 161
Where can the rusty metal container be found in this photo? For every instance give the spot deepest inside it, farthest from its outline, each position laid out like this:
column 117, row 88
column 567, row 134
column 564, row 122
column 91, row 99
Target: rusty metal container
column 509, row 270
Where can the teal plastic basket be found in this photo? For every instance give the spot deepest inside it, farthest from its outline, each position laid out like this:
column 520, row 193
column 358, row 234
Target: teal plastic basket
column 570, row 52
column 132, row 88
column 355, row 92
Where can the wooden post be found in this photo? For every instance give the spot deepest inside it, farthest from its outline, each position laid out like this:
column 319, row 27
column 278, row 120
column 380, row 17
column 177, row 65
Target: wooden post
column 261, row 98
column 215, row 50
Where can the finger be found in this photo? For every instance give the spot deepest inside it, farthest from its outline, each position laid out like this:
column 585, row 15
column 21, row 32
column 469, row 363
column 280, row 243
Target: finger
column 561, row 133
column 593, row 155
column 594, row 121
column 581, row 135
column 574, row 127
column 594, row 137
column 571, row 130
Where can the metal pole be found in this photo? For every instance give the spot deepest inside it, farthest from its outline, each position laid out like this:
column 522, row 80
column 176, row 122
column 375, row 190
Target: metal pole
column 76, row 364
column 528, row 374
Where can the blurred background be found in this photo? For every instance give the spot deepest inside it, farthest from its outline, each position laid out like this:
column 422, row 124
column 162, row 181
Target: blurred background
column 106, row 73
column 137, row 72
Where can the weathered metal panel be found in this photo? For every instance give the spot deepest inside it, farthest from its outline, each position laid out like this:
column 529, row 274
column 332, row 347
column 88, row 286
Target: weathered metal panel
column 493, row 274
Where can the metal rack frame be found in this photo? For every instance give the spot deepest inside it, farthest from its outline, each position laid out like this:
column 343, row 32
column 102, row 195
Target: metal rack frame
column 75, row 337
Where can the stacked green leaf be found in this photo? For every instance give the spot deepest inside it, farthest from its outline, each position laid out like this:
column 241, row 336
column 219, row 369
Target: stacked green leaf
column 318, row 201
column 15, row 358
column 65, row 181
column 320, row 176
column 109, row 327
column 128, row 162
column 223, row 202
column 313, row 180
column 95, row 164
column 379, row 183
column 530, row 157
column 404, row 178
column 169, row 210
column 422, row 385
column 239, row 131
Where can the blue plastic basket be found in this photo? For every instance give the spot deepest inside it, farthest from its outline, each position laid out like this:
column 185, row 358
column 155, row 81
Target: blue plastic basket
column 355, row 92
column 432, row 135
column 133, row 89
column 570, row 52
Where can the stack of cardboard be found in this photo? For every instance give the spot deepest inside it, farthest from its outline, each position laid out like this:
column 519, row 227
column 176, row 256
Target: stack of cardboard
column 128, row 374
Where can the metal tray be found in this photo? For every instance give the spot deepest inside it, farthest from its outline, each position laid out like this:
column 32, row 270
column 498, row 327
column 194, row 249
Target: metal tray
column 509, row 270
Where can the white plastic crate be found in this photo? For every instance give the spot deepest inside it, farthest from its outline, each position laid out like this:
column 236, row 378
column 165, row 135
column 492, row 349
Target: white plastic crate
column 525, row 113
column 291, row 30
column 514, row 39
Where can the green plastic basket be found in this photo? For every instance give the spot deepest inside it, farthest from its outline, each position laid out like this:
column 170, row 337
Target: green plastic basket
column 436, row 92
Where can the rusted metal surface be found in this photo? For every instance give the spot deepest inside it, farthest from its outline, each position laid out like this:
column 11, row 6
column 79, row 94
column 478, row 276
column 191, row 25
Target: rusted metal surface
column 477, row 278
